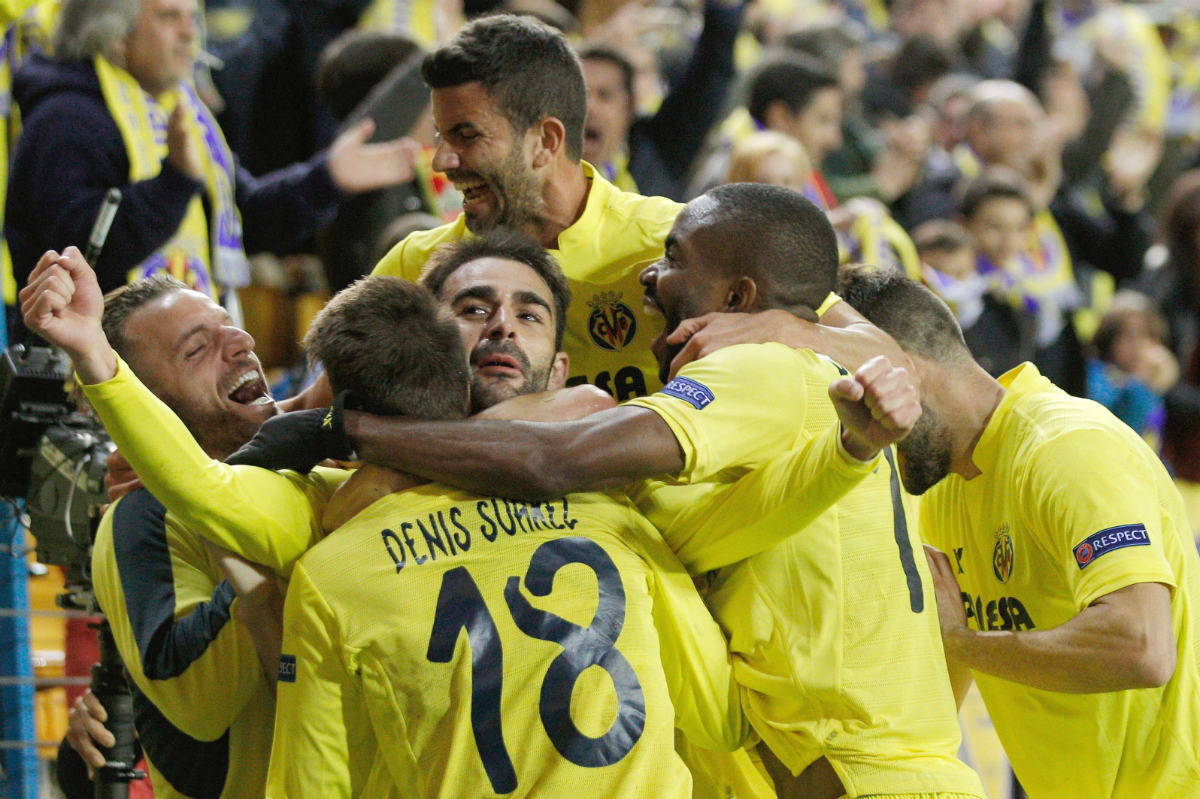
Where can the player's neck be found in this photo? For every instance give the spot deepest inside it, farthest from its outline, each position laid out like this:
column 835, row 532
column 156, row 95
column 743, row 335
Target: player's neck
column 564, row 198
column 365, row 487
column 971, row 397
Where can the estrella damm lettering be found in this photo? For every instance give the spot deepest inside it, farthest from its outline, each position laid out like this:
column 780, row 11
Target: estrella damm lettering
column 446, row 533
column 628, row 383
column 1005, row 613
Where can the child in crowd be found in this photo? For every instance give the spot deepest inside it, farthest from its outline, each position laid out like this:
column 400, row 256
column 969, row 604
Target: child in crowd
column 999, row 335
column 1131, row 367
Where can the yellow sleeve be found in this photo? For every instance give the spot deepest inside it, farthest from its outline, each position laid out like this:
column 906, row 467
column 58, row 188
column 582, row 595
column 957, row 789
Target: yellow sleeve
column 407, row 259
column 265, row 517
column 322, row 734
column 768, row 505
column 695, row 655
column 1105, row 525
column 738, row 406
column 172, row 621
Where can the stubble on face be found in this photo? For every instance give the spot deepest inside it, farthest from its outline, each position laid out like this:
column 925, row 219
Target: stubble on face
column 517, row 191
column 925, row 453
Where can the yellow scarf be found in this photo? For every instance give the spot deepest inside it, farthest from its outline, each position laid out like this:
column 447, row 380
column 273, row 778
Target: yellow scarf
column 206, row 251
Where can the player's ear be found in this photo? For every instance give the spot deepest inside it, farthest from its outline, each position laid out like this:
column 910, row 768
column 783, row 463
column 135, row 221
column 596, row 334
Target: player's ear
column 742, row 296
column 558, row 371
column 551, row 137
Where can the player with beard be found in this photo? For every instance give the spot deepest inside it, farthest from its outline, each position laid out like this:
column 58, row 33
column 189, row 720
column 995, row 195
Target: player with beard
column 1071, row 597
column 831, row 623
column 509, row 104
column 379, row 728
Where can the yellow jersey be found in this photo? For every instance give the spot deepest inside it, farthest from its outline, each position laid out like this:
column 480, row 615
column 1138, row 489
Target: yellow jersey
column 255, row 516
column 832, row 628
column 485, row 647
column 202, row 707
column 1035, row 539
column 608, row 331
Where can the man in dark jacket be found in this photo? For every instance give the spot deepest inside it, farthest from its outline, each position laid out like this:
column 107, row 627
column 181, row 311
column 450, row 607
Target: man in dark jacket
column 115, row 110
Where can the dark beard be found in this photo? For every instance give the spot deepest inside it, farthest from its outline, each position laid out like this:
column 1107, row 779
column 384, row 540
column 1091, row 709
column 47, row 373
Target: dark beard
column 521, row 193
column 485, row 394
column 925, row 454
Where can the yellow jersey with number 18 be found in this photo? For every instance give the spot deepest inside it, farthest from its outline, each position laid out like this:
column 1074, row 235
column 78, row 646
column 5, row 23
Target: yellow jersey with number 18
column 485, row 647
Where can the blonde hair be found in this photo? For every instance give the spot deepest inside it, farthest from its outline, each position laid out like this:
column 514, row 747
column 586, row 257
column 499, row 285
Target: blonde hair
column 749, row 152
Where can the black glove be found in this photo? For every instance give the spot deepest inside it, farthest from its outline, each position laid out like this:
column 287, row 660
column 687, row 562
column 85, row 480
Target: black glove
column 298, row 440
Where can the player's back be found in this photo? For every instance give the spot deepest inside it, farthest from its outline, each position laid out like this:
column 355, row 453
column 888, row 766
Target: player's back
column 480, row 647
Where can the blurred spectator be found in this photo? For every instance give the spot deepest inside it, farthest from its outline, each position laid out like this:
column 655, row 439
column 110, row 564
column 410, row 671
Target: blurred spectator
column 114, row 110
column 767, row 156
column 999, row 335
column 1130, row 367
column 1018, row 261
column 1175, row 286
column 349, row 68
column 653, row 154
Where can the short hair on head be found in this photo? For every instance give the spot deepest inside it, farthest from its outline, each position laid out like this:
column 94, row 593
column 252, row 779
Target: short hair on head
column 122, row 302
column 611, row 55
column 87, row 28
column 354, row 63
column 794, row 256
column 791, row 78
column 996, row 182
column 907, row 311
column 751, row 149
column 1127, row 306
column 526, row 66
column 389, row 342
column 828, row 41
column 501, row 242
column 987, row 94
column 941, row 235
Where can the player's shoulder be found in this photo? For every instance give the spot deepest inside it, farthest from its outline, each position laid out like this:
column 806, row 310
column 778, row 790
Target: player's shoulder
column 407, row 258
column 653, row 216
column 759, row 360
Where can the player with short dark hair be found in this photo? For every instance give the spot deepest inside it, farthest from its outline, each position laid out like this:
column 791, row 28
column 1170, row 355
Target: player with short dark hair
column 829, row 598
column 1071, row 596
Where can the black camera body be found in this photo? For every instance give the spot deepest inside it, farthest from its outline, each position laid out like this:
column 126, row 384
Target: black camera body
column 54, row 458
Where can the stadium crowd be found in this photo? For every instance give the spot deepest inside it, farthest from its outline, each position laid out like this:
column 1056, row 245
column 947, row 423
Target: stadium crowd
column 709, row 393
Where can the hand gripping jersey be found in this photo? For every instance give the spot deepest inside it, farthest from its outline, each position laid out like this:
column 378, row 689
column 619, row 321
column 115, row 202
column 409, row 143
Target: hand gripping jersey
column 1071, row 505
column 486, row 647
column 832, row 625
column 608, row 331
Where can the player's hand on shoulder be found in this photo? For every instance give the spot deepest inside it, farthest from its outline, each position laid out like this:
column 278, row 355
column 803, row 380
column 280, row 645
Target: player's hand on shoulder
column 120, row 479
column 878, row 405
column 704, row 335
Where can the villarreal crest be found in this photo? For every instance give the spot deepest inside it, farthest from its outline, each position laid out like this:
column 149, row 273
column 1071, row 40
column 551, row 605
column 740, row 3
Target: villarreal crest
column 611, row 323
column 1002, row 555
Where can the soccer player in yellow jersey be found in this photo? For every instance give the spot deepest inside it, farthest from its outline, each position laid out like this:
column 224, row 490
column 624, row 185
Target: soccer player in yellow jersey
column 1067, row 580
column 832, row 628
column 509, row 104
column 204, row 709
